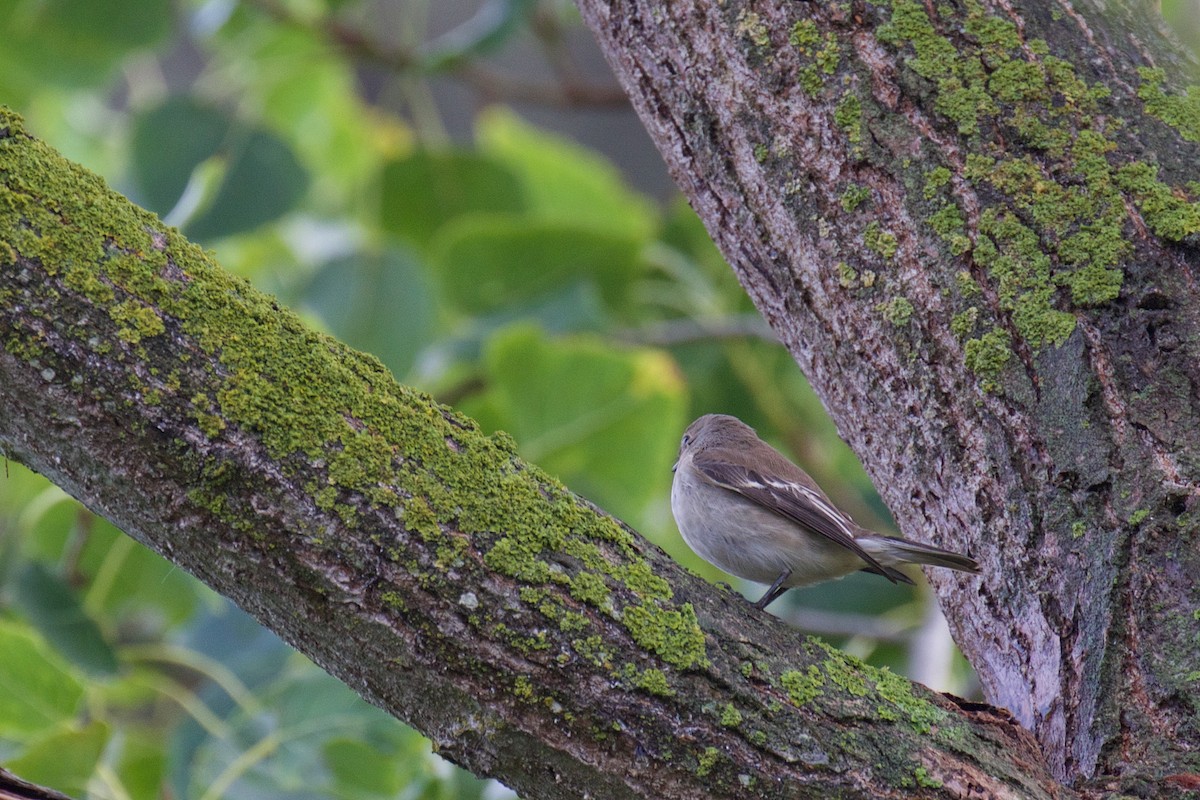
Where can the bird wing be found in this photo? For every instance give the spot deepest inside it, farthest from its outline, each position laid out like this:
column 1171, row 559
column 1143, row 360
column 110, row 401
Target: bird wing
column 799, row 503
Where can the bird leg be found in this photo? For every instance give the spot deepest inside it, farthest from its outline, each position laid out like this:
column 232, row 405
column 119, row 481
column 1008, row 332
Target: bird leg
column 777, row 588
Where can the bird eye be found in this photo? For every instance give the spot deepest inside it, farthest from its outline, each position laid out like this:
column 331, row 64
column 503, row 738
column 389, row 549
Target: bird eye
column 686, row 439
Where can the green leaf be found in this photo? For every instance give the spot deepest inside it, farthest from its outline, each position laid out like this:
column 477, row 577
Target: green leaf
column 54, row 608
column 64, row 760
column 606, row 421
column 128, row 577
column 250, row 175
column 280, row 750
column 72, row 43
column 380, row 302
column 37, row 689
column 576, row 308
column 360, row 770
column 142, row 761
column 168, row 142
column 427, row 189
column 564, row 181
column 488, row 263
column 310, row 93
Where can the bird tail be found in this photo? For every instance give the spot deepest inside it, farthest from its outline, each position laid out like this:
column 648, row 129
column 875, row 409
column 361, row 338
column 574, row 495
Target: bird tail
column 890, row 550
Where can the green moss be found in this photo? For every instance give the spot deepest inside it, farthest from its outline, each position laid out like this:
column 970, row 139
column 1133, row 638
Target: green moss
column 844, row 672
column 880, row 241
column 948, row 223
column 848, row 116
column 802, row 687
column 935, row 57
column 523, row 687
column 751, row 26
column 209, row 424
column 654, row 681
column 936, row 180
column 987, row 356
column 821, row 52
column 963, row 323
column 588, row 587
column 964, row 104
column 1012, row 253
column 730, row 716
column 674, row 635
column 922, row 777
column 639, row 579
column 85, row 281
column 1019, row 82
column 1060, row 217
column 966, row 285
column 1093, row 285
column 804, row 35
column 532, row 595
column 1139, row 516
column 573, row 622
column 897, row 692
column 1180, row 112
column 828, row 56
column 847, row 275
column 592, row 650
column 510, row 556
column 1172, row 217
column 810, row 81
column 1078, row 529
column 137, row 320
column 897, row 311
column 708, row 759
column 855, row 196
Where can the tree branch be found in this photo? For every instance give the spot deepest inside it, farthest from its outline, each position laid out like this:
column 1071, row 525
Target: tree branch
column 971, row 224
column 530, row 636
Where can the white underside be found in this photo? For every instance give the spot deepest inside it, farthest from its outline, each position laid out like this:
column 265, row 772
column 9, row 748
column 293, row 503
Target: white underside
column 746, row 540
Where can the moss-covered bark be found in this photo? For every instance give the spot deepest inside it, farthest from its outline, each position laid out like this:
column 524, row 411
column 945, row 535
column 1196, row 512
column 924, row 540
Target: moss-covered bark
column 531, row 636
column 976, row 226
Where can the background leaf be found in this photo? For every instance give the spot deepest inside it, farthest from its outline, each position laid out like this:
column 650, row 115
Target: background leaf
column 427, row 189
column 37, row 689
column 259, row 178
column 55, row 610
column 379, row 302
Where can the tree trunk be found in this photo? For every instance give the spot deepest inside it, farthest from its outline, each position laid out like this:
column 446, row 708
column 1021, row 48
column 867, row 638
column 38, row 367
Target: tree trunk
column 530, row 636
column 972, row 225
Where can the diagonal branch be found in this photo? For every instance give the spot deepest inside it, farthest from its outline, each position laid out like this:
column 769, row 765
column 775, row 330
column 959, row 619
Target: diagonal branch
column 532, row 637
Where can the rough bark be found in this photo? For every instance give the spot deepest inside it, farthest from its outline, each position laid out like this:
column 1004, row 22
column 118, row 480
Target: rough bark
column 13, row 788
column 971, row 224
column 530, row 636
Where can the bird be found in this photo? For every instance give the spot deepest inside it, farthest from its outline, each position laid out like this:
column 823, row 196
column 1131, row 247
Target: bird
column 742, row 506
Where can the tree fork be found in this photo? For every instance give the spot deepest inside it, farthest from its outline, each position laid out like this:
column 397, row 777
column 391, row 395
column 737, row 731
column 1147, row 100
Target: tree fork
column 532, row 637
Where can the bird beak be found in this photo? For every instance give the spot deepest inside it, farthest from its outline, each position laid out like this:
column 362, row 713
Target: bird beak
column 675, row 466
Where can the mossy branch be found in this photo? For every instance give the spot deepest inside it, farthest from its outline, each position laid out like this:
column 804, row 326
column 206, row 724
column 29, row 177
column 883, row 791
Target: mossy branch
column 975, row 225
column 532, row 637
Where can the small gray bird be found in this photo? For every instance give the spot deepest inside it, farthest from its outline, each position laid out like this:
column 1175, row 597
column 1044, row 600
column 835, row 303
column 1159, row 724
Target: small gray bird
column 742, row 506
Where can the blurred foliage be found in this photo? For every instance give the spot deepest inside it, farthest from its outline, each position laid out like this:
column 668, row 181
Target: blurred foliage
column 516, row 275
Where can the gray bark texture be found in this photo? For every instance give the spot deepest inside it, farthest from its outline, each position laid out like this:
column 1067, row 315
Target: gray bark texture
column 974, row 225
